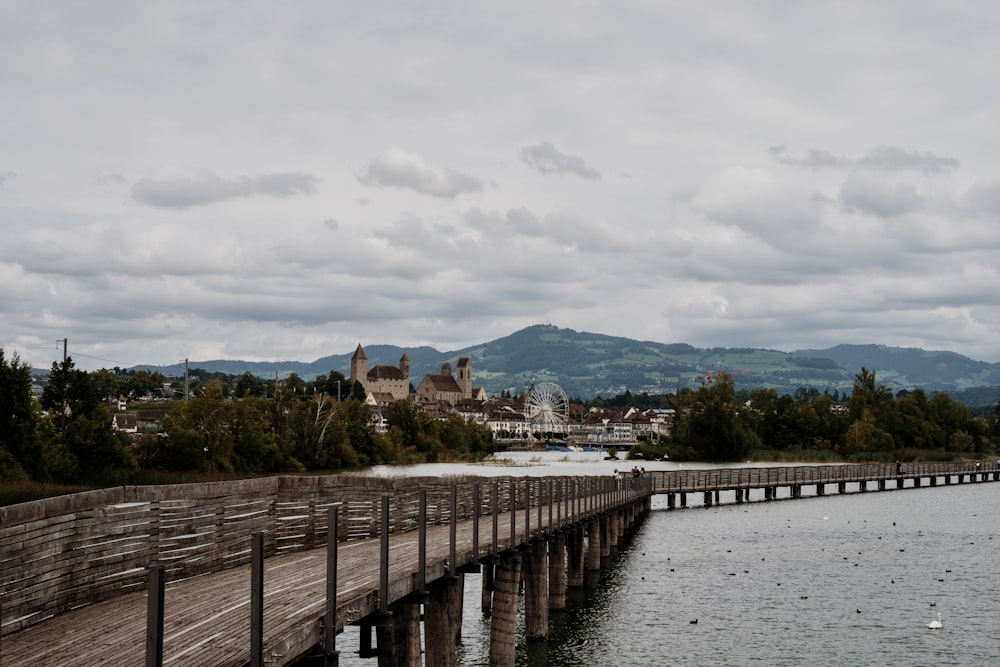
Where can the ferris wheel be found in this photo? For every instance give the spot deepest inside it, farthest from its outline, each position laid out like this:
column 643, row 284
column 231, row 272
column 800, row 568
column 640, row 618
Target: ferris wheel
column 547, row 407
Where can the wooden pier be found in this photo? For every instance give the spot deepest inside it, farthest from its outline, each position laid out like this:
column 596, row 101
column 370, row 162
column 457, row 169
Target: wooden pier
column 678, row 484
column 263, row 571
column 244, row 573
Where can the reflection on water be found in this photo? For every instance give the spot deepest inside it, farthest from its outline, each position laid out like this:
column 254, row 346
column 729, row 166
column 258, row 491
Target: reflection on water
column 825, row 580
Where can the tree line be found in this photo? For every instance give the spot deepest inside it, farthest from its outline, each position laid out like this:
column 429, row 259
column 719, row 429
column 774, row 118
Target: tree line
column 717, row 423
column 238, row 424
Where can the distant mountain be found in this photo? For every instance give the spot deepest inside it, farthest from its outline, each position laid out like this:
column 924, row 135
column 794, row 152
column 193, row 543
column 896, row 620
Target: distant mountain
column 912, row 367
column 589, row 364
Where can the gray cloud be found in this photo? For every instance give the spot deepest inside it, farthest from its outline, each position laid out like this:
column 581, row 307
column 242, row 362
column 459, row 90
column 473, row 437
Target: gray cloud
column 396, row 168
column 872, row 194
column 186, row 187
column 112, row 179
column 545, row 158
column 891, row 158
column 814, row 158
column 6, row 176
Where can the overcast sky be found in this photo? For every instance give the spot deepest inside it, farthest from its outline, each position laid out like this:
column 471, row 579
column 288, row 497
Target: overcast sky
column 281, row 181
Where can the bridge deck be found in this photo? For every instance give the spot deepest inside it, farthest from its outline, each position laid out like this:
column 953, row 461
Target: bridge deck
column 207, row 617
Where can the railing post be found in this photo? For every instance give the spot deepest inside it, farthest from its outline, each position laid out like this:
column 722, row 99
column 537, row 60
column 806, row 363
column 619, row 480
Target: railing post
column 257, row 600
column 383, row 587
column 422, row 543
column 330, row 631
column 527, row 509
column 513, row 514
column 154, row 615
column 496, row 519
column 453, row 527
column 475, row 522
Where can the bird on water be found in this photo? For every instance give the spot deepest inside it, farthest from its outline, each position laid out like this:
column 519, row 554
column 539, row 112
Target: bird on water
column 936, row 624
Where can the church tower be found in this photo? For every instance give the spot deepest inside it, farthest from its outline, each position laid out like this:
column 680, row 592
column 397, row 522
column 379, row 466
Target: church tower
column 464, row 378
column 359, row 367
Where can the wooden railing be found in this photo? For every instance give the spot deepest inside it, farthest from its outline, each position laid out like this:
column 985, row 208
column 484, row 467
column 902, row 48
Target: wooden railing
column 681, row 481
column 59, row 553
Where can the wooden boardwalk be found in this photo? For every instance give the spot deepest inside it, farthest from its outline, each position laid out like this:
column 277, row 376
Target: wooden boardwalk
column 207, row 614
column 73, row 570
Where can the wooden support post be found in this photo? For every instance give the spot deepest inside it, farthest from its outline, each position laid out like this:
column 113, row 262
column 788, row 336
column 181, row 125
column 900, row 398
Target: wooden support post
column 557, row 572
column 513, row 515
column 456, row 599
column 708, row 499
column 684, row 499
column 716, row 496
column 841, row 487
column 536, row 592
column 503, row 619
column 406, row 634
column 155, row 586
column 257, row 600
column 439, row 635
column 933, row 481
column 488, row 586
column 671, row 501
column 330, row 623
column 605, row 529
column 574, row 557
column 821, row 488
column 594, row 544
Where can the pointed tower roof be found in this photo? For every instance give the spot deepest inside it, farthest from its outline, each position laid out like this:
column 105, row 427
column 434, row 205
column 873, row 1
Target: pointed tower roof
column 359, row 353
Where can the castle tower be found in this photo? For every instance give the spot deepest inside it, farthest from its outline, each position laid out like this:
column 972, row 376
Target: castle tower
column 359, row 367
column 404, row 367
column 464, row 378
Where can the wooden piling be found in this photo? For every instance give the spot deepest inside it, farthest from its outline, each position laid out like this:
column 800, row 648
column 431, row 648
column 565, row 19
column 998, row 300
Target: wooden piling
column 557, row 572
column 574, row 557
column 594, row 544
column 406, row 635
column 439, row 635
column 536, row 592
column 503, row 619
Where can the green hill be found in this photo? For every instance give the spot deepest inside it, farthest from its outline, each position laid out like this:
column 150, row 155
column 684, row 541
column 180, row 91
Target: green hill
column 590, row 364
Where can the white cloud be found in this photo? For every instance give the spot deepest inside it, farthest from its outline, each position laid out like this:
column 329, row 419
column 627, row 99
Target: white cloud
column 796, row 175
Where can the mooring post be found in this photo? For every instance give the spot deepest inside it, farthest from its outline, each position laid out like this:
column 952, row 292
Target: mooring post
column 155, row 587
column 513, row 515
column 475, row 522
column 330, row 624
column 257, row 600
column 503, row 620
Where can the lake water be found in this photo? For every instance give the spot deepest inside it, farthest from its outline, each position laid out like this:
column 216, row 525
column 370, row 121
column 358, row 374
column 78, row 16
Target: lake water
column 847, row 580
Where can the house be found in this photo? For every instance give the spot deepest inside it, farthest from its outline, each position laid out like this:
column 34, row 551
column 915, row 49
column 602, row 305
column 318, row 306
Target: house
column 445, row 386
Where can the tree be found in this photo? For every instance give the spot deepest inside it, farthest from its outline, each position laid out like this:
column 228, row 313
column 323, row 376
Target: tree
column 711, row 424
column 18, row 420
column 81, row 422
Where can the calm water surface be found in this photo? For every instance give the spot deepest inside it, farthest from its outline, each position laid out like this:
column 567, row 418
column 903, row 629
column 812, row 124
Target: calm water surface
column 847, row 580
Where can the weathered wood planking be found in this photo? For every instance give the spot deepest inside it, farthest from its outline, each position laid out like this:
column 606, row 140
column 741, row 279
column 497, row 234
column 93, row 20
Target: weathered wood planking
column 206, row 616
column 719, row 479
column 68, row 551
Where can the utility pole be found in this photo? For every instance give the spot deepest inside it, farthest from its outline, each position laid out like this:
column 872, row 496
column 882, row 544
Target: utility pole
column 186, row 380
column 65, row 342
